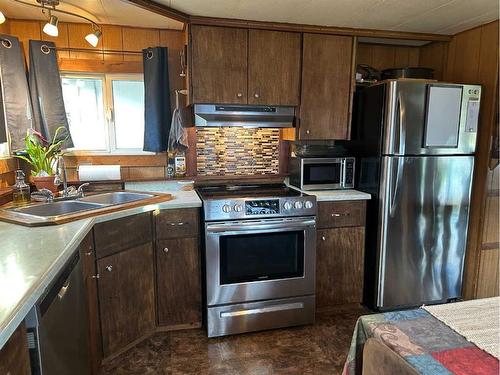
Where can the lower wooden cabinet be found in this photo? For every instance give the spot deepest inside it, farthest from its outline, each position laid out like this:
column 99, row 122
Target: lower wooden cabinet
column 14, row 355
column 339, row 266
column 178, row 278
column 126, row 297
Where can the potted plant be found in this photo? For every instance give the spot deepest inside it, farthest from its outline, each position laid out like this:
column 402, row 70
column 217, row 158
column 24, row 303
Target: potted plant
column 42, row 156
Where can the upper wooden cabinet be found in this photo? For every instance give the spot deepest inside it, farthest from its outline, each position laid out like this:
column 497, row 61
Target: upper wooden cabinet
column 273, row 67
column 239, row 66
column 219, row 65
column 327, row 82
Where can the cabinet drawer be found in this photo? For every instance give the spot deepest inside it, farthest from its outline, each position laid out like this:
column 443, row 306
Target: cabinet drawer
column 177, row 223
column 114, row 236
column 341, row 214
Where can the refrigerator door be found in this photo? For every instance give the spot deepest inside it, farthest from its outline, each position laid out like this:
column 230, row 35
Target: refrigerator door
column 429, row 118
column 423, row 216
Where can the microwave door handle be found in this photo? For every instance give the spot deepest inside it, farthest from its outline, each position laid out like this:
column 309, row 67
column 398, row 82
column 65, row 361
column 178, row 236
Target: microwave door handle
column 342, row 172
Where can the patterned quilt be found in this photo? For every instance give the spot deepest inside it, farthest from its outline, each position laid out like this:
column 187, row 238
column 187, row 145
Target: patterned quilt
column 427, row 344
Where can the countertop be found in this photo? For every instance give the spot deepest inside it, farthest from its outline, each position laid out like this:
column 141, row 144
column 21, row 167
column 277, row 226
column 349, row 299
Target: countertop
column 30, row 258
column 335, row 195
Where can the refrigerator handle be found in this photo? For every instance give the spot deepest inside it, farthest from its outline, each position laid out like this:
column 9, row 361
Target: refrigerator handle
column 400, row 110
column 395, row 185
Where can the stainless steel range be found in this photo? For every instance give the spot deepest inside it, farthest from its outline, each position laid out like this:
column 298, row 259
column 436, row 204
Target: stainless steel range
column 260, row 254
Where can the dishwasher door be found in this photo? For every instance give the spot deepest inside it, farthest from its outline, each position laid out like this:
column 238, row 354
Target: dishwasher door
column 58, row 326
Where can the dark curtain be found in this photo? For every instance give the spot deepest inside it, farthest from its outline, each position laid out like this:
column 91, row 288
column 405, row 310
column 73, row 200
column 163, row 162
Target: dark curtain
column 16, row 116
column 46, row 91
column 157, row 111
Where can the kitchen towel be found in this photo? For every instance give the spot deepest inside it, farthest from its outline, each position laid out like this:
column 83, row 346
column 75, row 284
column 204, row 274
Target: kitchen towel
column 177, row 139
column 98, row 172
column 157, row 111
column 16, row 114
column 46, row 91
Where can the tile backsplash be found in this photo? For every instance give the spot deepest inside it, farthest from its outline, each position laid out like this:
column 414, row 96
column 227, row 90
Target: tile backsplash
column 237, row 151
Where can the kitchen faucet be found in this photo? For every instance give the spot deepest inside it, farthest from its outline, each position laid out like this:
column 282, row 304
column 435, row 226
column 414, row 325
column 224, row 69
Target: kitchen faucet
column 61, row 170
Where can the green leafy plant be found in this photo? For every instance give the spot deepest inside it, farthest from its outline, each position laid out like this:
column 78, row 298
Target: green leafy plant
column 42, row 154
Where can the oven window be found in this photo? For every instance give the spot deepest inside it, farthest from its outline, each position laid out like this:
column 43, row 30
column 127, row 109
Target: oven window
column 326, row 173
column 256, row 257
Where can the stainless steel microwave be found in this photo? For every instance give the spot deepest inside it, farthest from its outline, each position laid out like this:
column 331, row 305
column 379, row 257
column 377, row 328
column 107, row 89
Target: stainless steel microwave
column 322, row 173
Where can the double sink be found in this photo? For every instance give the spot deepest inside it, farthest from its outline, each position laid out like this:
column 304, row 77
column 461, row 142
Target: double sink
column 57, row 211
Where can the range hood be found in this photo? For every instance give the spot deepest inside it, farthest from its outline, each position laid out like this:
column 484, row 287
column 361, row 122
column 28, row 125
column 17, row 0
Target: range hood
column 250, row 116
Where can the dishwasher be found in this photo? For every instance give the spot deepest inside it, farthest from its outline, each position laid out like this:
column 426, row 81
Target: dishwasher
column 57, row 325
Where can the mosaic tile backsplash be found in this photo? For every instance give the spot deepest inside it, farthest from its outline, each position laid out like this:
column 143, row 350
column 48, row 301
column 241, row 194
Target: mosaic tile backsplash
column 237, row 151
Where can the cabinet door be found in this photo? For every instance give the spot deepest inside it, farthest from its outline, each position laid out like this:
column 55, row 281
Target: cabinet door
column 218, row 65
column 339, row 266
column 326, row 87
column 14, row 355
column 87, row 255
column 126, row 296
column 179, row 282
column 273, row 67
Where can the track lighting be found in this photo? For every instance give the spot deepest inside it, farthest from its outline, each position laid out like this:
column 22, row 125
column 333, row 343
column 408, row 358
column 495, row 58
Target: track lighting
column 93, row 37
column 50, row 27
column 2, row 17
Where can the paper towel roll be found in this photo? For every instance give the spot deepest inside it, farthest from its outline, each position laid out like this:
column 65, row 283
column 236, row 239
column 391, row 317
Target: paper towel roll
column 99, row 172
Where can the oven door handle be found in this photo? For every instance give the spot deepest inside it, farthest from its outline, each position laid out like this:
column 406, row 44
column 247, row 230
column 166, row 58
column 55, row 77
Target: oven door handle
column 260, row 226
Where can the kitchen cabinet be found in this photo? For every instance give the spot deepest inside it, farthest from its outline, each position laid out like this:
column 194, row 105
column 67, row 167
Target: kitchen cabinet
column 340, row 253
column 14, row 355
column 179, row 282
column 126, row 297
column 218, row 71
column 89, row 272
column 178, row 273
column 239, row 66
column 327, row 82
column 273, row 67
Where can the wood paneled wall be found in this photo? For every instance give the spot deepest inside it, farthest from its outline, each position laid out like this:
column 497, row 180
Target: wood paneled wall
column 434, row 55
column 473, row 58
column 119, row 38
column 387, row 56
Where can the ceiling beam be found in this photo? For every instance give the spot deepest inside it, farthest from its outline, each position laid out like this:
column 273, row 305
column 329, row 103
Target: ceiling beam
column 161, row 9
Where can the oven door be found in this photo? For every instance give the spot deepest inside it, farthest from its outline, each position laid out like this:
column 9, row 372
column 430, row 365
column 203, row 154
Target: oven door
column 260, row 259
column 324, row 173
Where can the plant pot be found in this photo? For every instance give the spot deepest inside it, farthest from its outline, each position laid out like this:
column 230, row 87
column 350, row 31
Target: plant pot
column 46, row 182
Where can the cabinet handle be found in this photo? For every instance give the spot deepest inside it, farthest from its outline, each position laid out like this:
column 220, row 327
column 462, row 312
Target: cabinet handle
column 95, row 276
column 323, row 238
column 165, row 250
column 256, row 95
column 339, row 215
column 109, row 268
column 179, row 224
column 307, row 131
column 89, row 253
column 239, row 95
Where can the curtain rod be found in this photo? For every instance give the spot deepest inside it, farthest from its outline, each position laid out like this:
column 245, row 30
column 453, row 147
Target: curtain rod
column 46, row 49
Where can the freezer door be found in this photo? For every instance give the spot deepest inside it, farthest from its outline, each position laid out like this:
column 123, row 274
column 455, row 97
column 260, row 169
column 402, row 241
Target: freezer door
column 430, row 118
column 423, row 219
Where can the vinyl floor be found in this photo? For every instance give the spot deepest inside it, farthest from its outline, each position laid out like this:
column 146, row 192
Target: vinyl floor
column 315, row 349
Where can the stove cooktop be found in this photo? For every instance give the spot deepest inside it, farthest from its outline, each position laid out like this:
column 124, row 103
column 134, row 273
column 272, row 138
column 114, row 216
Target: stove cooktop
column 233, row 202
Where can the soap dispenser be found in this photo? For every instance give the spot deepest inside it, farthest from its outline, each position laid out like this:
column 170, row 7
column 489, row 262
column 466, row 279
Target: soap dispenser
column 21, row 190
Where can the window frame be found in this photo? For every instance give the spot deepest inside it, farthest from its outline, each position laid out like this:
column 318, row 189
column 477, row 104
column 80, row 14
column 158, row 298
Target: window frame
column 108, row 106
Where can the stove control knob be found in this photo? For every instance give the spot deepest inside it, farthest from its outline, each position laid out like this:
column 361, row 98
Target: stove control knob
column 237, row 208
column 308, row 204
column 226, row 208
column 287, row 206
column 298, row 205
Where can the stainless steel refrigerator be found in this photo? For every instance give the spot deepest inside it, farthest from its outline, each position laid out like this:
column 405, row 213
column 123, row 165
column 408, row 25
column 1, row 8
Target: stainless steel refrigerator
column 416, row 142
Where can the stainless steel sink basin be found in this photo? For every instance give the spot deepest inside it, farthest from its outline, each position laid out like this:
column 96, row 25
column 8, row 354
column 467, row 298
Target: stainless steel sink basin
column 117, row 197
column 57, row 208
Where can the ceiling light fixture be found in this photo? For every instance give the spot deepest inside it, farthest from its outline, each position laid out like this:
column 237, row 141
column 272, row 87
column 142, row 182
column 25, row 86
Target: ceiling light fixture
column 2, row 17
column 50, row 27
column 93, row 37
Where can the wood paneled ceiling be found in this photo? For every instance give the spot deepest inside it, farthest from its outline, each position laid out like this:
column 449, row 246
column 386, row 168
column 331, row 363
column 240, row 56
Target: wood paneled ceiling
column 113, row 12
column 424, row 16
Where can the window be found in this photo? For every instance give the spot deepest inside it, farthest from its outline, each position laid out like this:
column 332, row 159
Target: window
column 105, row 112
